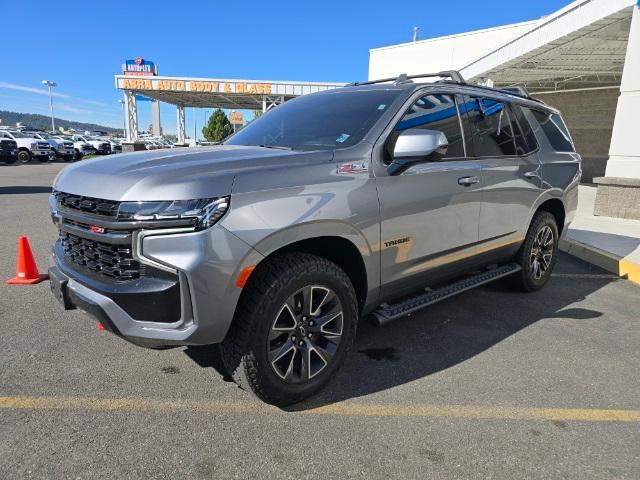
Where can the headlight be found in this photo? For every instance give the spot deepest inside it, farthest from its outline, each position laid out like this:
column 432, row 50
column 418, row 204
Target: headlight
column 205, row 211
column 34, row 145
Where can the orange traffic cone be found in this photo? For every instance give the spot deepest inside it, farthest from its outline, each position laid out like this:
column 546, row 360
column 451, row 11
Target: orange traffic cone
column 26, row 268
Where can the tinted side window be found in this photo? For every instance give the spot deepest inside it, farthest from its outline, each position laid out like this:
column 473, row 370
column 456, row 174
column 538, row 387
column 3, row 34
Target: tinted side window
column 556, row 131
column 493, row 133
column 435, row 112
column 531, row 144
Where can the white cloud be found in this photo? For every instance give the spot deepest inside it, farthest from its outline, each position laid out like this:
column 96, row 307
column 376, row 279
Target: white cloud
column 39, row 91
column 45, row 91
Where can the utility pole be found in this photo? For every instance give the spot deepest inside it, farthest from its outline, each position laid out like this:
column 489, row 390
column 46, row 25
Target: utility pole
column 50, row 84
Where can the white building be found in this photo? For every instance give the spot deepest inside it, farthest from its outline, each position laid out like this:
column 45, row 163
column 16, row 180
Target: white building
column 583, row 59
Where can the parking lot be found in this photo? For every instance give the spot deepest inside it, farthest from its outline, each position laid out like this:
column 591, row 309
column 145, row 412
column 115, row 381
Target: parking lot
column 490, row 384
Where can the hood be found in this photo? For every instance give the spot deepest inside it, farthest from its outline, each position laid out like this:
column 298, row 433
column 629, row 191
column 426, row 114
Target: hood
column 176, row 174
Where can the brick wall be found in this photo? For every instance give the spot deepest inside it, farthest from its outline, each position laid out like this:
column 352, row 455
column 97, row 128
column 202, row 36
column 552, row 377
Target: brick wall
column 589, row 116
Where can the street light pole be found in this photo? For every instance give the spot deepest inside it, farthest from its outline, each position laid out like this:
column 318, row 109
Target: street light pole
column 124, row 119
column 50, row 84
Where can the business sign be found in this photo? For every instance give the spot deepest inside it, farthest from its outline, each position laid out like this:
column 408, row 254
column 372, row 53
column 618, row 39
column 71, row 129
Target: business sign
column 140, row 67
column 200, row 86
column 236, row 118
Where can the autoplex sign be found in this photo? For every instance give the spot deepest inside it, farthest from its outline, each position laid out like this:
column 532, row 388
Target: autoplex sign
column 203, row 86
column 139, row 67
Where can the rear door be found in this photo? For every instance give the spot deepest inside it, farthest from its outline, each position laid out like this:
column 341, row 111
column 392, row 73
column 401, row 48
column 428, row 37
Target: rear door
column 430, row 212
column 507, row 150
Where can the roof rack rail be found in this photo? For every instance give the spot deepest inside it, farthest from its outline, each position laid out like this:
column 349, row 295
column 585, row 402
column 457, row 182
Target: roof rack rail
column 403, row 78
column 517, row 89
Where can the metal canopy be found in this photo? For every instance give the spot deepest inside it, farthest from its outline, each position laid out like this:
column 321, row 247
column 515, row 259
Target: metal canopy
column 582, row 46
column 208, row 93
column 218, row 93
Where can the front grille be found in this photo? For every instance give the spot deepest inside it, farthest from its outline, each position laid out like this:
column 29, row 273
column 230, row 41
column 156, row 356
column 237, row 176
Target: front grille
column 96, row 206
column 115, row 261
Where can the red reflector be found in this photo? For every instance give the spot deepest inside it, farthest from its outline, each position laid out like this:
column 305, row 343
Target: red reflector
column 100, row 327
column 241, row 281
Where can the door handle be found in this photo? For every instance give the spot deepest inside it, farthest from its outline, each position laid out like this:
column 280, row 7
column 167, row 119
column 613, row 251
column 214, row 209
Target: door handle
column 468, row 181
column 533, row 174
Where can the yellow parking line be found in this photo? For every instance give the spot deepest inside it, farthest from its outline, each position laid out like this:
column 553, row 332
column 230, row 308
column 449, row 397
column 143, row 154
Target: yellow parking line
column 337, row 409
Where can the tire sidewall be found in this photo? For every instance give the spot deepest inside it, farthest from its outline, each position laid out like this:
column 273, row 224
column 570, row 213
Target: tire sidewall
column 271, row 382
column 543, row 220
column 24, row 156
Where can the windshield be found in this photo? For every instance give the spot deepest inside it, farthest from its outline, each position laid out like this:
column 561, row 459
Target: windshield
column 326, row 121
column 21, row 135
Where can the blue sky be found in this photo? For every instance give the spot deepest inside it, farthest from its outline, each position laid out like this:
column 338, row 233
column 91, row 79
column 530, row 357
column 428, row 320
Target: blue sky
column 83, row 44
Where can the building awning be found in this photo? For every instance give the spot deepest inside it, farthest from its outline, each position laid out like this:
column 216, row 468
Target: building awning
column 582, row 45
column 217, row 93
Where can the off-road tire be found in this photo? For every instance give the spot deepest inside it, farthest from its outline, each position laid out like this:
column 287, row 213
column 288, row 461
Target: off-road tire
column 524, row 280
column 245, row 348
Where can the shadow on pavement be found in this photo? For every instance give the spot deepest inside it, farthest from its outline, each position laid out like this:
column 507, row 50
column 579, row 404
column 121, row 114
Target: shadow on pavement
column 17, row 190
column 445, row 334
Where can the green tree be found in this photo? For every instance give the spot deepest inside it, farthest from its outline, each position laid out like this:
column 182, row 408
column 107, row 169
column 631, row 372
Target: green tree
column 218, row 127
column 257, row 114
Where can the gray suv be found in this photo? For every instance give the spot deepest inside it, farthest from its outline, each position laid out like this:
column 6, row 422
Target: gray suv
column 376, row 199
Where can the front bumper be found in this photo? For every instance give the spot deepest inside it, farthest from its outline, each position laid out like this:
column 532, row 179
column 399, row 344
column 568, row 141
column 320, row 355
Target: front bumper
column 42, row 153
column 204, row 263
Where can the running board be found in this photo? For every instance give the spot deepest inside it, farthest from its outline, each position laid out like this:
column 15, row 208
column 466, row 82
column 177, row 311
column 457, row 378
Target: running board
column 387, row 313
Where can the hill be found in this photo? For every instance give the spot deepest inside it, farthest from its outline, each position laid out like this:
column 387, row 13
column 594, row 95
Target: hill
column 42, row 122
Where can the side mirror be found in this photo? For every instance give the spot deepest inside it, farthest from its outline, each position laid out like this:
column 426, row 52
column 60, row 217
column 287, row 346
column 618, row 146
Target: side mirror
column 416, row 145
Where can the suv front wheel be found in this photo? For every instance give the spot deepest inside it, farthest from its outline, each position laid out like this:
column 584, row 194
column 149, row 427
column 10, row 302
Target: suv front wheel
column 538, row 254
column 295, row 324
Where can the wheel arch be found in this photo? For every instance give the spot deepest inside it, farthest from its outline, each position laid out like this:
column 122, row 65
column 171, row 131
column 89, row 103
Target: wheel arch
column 338, row 250
column 556, row 208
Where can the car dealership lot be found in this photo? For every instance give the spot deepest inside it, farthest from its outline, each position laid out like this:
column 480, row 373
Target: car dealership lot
column 490, row 384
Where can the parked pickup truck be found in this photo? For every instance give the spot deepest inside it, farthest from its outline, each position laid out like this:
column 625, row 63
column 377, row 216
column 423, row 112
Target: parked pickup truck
column 102, row 147
column 63, row 149
column 29, row 147
column 8, row 151
column 375, row 199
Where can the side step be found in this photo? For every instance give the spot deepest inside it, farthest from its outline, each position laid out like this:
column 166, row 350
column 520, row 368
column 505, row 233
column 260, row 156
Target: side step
column 387, row 313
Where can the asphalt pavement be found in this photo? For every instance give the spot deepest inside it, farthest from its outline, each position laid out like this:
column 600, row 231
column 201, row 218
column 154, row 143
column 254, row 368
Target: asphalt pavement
column 490, row 384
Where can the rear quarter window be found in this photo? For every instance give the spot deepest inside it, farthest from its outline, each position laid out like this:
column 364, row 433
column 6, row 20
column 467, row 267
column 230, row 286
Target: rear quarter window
column 555, row 130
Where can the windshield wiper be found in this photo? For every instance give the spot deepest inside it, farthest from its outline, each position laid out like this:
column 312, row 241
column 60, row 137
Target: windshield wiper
column 278, row 147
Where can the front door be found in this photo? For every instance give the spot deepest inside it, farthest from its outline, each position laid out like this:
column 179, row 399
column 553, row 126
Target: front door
column 429, row 212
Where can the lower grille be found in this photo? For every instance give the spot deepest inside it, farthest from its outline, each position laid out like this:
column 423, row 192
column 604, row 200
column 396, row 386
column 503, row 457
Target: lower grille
column 115, row 261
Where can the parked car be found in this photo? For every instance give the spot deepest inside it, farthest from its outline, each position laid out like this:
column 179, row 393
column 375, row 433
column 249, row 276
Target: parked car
column 63, row 149
column 116, row 147
column 8, row 150
column 102, row 147
column 81, row 147
column 29, row 147
column 375, row 199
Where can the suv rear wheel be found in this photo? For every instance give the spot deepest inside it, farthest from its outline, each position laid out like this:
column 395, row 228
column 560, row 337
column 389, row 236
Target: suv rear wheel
column 295, row 324
column 538, row 254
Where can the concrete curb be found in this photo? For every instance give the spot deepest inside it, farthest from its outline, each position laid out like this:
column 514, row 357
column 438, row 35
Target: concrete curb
column 606, row 260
